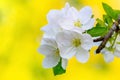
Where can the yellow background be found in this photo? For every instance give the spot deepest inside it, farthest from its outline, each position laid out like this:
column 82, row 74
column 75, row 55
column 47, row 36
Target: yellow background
column 20, row 35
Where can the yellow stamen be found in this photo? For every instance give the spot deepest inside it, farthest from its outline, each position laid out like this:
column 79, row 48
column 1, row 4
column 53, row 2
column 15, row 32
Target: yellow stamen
column 76, row 42
column 77, row 24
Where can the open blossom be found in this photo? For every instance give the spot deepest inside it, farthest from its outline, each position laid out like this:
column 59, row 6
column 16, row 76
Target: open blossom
column 108, row 55
column 68, row 18
column 72, row 43
column 50, row 49
column 74, row 19
column 53, row 18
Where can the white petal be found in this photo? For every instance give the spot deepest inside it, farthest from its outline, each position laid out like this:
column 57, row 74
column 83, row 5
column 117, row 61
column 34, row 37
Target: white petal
column 53, row 16
column 64, row 38
column 51, row 61
column 47, row 50
column 67, row 6
column 89, row 24
column 108, row 57
column 48, row 29
column 85, row 14
column 64, row 63
column 108, row 44
column 118, row 47
column 45, row 28
column 96, row 43
column 82, row 55
column 49, row 41
column 117, row 53
column 67, row 53
column 67, row 24
column 51, row 30
column 73, row 13
column 70, row 16
column 87, row 42
column 78, row 30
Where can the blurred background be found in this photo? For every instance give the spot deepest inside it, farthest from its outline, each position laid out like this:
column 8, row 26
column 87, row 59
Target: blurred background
column 20, row 36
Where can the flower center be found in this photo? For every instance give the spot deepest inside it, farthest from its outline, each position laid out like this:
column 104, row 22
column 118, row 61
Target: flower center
column 77, row 24
column 57, row 51
column 76, row 42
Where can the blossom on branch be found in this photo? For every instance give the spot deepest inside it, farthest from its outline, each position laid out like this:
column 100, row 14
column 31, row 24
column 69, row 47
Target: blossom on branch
column 72, row 43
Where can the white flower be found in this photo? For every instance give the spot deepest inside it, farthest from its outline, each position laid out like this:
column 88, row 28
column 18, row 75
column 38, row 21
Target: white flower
column 74, row 19
column 51, row 30
column 53, row 18
column 108, row 55
column 68, row 18
column 50, row 49
column 73, row 43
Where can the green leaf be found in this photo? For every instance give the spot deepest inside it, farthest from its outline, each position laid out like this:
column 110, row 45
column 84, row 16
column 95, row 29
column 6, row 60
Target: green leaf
column 110, row 12
column 117, row 13
column 58, row 69
column 108, row 20
column 100, row 23
column 97, row 31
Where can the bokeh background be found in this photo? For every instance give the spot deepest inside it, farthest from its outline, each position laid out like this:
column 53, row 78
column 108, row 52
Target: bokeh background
column 20, row 35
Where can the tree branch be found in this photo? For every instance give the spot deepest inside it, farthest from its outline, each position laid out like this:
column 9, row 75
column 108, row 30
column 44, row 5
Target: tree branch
column 107, row 37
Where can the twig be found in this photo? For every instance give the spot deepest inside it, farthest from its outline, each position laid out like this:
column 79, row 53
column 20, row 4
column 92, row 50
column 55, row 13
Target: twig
column 98, row 39
column 108, row 36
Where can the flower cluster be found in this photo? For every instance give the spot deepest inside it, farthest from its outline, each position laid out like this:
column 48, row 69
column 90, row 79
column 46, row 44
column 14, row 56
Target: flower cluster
column 71, row 32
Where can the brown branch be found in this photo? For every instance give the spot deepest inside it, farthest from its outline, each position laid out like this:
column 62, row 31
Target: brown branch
column 107, row 37
column 98, row 39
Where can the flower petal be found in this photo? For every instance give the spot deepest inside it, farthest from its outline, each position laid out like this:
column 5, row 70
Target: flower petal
column 82, row 55
column 49, row 41
column 64, row 63
column 117, row 53
column 73, row 13
column 51, row 30
column 53, row 16
column 64, row 38
column 66, row 8
column 118, row 47
column 85, row 14
column 69, row 17
column 89, row 24
column 108, row 57
column 51, row 61
column 67, row 24
column 87, row 42
column 67, row 53
column 47, row 50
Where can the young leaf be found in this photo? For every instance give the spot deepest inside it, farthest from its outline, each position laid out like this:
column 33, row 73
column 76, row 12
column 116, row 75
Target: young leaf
column 58, row 69
column 117, row 13
column 108, row 20
column 100, row 23
column 97, row 31
column 110, row 12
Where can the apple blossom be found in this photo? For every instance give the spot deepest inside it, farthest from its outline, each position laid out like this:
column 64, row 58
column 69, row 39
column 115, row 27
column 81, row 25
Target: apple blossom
column 72, row 43
column 50, row 49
